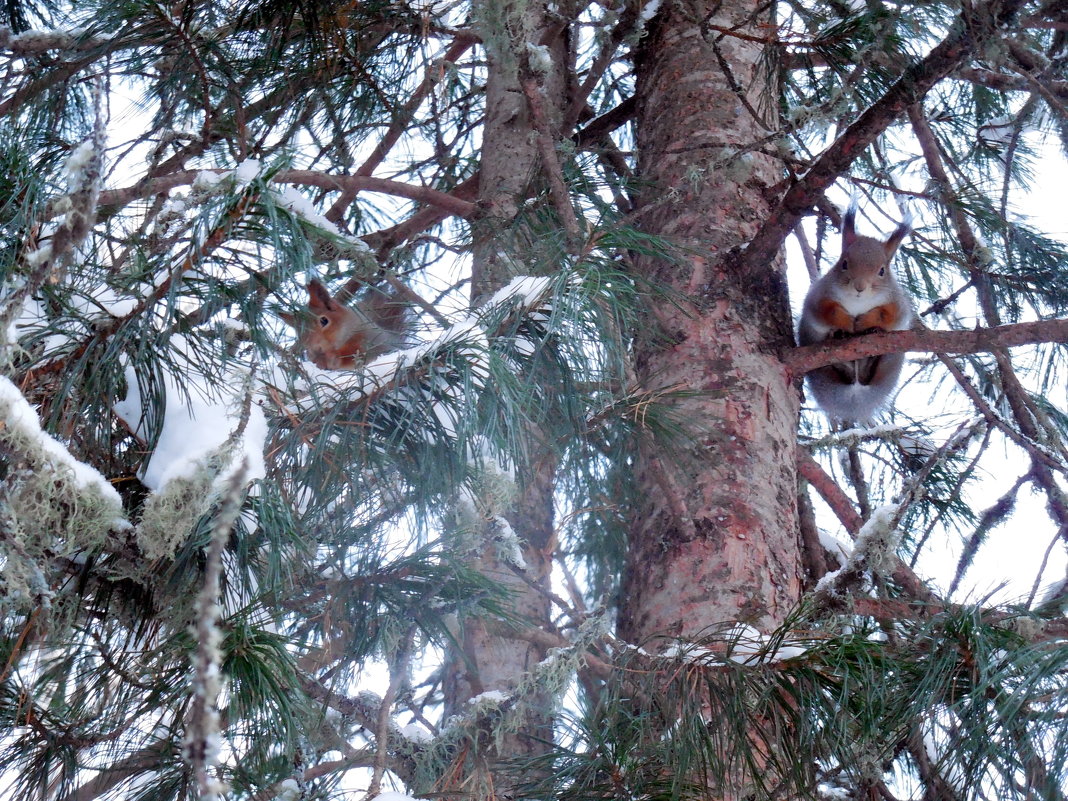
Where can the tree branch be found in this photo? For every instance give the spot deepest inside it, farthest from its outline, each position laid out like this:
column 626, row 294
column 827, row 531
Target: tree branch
column 401, row 121
column 356, row 183
column 979, row 340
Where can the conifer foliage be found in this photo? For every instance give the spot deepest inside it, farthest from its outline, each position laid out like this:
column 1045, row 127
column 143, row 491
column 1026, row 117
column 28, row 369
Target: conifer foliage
column 580, row 536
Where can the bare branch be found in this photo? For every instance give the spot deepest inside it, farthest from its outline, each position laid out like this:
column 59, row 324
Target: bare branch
column 356, row 183
column 979, row 340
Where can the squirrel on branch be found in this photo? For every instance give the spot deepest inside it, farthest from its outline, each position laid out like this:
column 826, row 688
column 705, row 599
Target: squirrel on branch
column 859, row 295
column 339, row 337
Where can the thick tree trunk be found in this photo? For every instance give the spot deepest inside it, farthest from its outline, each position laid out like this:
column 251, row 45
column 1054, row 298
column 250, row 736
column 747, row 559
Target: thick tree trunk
column 714, row 538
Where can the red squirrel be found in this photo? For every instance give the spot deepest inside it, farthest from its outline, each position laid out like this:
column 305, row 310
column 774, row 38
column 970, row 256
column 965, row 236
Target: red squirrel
column 858, row 295
column 339, row 337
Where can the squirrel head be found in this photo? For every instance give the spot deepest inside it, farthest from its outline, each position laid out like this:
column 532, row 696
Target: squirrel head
column 331, row 333
column 864, row 265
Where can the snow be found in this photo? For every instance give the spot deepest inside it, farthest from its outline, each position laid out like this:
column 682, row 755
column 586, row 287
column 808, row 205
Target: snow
column 231, row 324
column 488, row 697
column 746, row 645
column 207, row 180
column 393, row 796
column 750, row 646
column 297, row 203
column 831, row 793
column 840, row 548
column 21, row 417
column 194, row 427
column 175, row 208
column 105, row 299
column 526, row 289
column 416, row 733
column 246, row 171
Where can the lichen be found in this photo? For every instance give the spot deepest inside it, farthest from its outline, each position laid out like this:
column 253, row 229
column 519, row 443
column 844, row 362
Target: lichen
column 169, row 515
column 64, row 505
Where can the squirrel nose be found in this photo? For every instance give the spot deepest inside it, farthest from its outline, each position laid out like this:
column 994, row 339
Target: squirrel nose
column 860, row 285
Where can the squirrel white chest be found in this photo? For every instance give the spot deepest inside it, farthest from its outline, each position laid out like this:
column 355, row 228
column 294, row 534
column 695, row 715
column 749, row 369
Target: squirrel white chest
column 856, row 303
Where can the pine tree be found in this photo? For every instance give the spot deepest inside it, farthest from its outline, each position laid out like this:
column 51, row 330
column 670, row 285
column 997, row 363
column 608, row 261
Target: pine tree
column 572, row 528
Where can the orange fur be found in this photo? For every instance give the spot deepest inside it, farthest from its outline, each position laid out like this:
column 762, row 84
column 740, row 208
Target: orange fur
column 831, row 313
column 337, row 337
column 883, row 317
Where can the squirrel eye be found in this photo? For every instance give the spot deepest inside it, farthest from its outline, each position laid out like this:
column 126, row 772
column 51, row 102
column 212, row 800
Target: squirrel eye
column 845, row 264
column 324, row 321
column 882, row 271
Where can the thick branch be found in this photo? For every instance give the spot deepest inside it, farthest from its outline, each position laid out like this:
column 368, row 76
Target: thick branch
column 914, row 83
column 599, row 127
column 432, row 197
column 388, row 238
column 809, row 469
column 979, row 340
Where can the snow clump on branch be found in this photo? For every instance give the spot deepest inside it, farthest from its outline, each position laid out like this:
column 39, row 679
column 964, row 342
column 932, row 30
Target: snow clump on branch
column 47, row 490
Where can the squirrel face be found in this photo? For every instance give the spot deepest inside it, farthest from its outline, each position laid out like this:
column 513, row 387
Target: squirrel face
column 336, row 333
column 864, row 266
column 862, row 277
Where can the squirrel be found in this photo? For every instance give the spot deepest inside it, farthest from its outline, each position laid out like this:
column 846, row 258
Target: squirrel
column 340, row 337
column 858, row 295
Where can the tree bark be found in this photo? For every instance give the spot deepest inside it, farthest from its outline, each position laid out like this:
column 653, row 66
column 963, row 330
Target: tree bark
column 488, row 661
column 714, row 537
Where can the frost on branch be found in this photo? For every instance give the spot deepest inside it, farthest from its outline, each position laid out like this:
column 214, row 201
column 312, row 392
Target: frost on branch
column 480, row 507
column 84, row 173
column 203, row 743
column 873, row 552
column 84, row 176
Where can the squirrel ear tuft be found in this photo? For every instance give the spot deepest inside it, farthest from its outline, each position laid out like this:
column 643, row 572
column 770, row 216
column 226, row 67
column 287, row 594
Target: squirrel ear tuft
column 891, row 245
column 849, row 231
column 319, row 297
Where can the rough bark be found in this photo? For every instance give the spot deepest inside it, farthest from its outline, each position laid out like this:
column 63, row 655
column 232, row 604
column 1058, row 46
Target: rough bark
column 510, row 161
column 714, row 534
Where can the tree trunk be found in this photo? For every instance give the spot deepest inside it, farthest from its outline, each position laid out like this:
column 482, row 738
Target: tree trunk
column 714, row 535
column 489, row 661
